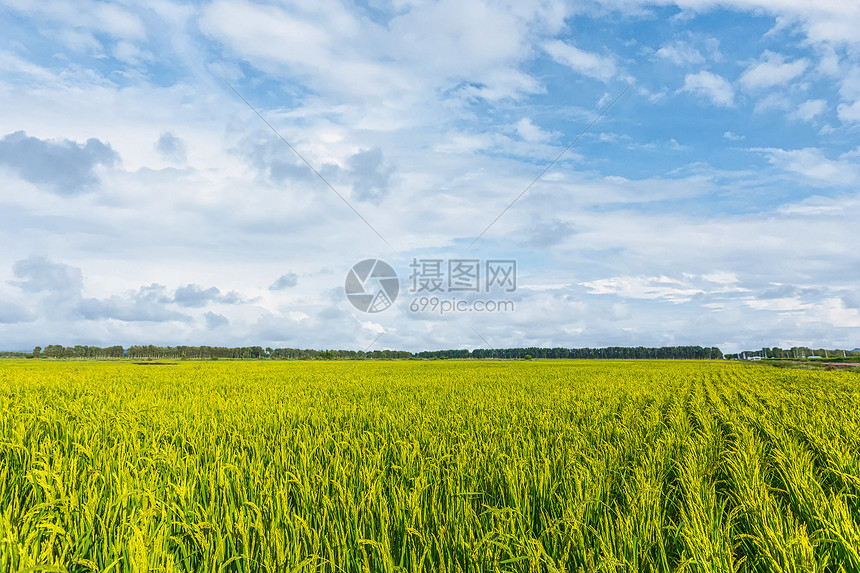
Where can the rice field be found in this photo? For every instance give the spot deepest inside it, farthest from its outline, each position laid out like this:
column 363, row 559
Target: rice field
column 428, row 466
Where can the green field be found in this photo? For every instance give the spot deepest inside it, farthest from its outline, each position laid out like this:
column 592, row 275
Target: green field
column 428, row 466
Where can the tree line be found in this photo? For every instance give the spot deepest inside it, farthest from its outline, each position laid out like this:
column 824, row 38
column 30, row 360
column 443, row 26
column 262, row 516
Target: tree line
column 152, row 352
column 608, row 353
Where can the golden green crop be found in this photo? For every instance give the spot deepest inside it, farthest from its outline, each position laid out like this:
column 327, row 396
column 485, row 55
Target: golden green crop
column 428, row 466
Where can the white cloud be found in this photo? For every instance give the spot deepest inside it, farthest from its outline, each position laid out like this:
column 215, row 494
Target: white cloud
column 284, row 282
column 814, row 207
column 530, row 132
column 779, row 305
column 79, row 40
column 130, row 53
column 422, row 48
column 374, row 327
column 661, row 287
column 835, row 312
column 310, row 42
column 298, row 316
column 809, row 110
column 828, row 63
column 87, row 16
column 215, row 320
column 849, row 90
column 172, row 147
column 587, row 63
column 826, row 22
column 466, row 142
column 710, row 85
column 772, row 70
column 773, row 102
column 812, row 164
column 118, row 22
column 675, row 290
column 849, row 113
column 721, row 277
column 681, row 53
column 14, row 64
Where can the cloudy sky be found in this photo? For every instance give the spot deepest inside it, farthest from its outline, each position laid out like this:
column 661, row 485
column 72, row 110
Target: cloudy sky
column 715, row 203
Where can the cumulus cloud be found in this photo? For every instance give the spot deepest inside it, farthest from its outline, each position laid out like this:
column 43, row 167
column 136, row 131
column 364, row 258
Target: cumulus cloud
column 214, row 320
column 284, row 282
column 586, row 63
column 681, row 53
column 809, row 110
column 772, row 70
column 849, row 86
column 273, row 161
column 530, row 132
column 849, row 112
column 710, row 85
column 298, row 316
column 421, row 46
column 195, row 296
column 305, row 41
column 147, row 304
column 172, row 147
column 61, row 166
column 63, row 284
column 37, row 274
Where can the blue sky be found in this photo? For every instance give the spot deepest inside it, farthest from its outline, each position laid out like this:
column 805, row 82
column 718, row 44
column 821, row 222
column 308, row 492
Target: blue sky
column 142, row 201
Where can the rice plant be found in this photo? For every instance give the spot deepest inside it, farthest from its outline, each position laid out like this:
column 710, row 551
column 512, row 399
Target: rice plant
column 428, row 466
